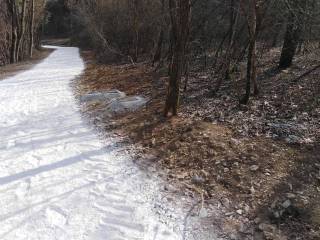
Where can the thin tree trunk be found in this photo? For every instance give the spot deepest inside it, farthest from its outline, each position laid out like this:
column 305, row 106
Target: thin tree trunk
column 31, row 44
column 14, row 23
column 19, row 52
column 180, row 13
column 251, row 64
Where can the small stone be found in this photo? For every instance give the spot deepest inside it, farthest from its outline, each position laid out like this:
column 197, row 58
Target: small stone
column 267, row 227
column 197, row 179
column 254, row 168
column 233, row 236
column 229, row 214
column 247, row 208
column 276, row 214
column 226, row 202
column 286, row 204
column 239, row 211
column 203, row 213
column 291, row 196
column 257, row 220
column 235, row 141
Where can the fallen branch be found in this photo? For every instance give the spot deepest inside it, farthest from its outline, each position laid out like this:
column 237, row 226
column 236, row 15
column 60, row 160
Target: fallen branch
column 305, row 74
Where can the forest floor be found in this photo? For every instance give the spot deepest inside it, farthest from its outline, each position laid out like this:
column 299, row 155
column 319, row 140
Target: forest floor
column 12, row 69
column 261, row 162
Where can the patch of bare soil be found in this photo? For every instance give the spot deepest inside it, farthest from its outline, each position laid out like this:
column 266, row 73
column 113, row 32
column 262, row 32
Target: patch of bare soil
column 13, row 69
column 260, row 162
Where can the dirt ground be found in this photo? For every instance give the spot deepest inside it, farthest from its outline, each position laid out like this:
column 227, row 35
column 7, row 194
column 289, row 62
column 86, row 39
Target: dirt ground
column 261, row 161
column 12, row 69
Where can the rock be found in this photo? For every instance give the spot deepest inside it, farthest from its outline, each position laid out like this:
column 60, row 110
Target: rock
column 235, row 141
column 233, row 236
column 229, row 214
column 203, row 213
column 254, row 168
column 292, row 139
column 197, row 180
column 205, row 173
column 247, row 208
column 239, row 211
column 226, row 202
column 153, row 142
column 258, row 235
column 291, row 196
column 257, row 220
column 271, row 232
column 286, row 204
column 265, row 227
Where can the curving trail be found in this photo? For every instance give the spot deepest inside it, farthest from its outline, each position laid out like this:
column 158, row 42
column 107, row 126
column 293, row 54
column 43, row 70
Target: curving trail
column 57, row 179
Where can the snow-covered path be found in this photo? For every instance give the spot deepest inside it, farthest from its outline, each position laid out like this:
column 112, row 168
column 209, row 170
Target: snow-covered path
column 57, row 179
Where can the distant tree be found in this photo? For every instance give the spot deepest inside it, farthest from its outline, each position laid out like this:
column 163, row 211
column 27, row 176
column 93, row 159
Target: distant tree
column 31, row 29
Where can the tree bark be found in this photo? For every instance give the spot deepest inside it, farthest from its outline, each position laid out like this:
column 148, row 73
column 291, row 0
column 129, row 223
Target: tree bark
column 180, row 13
column 14, row 31
column 21, row 31
column 251, row 63
column 31, row 43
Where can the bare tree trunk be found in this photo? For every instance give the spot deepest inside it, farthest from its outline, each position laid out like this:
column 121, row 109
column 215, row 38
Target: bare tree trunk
column 21, row 30
column 14, row 29
column 31, row 44
column 180, row 13
column 290, row 44
column 251, row 64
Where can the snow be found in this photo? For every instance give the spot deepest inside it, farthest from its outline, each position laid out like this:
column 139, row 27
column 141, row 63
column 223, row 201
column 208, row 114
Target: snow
column 127, row 104
column 105, row 96
column 114, row 102
column 58, row 180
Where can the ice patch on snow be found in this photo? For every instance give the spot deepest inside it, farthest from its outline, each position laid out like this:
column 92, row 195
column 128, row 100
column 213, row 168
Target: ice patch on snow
column 105, row 96
column 128, row 104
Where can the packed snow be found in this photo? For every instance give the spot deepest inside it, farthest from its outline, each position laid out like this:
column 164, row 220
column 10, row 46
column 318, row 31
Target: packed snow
column 58, row 180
